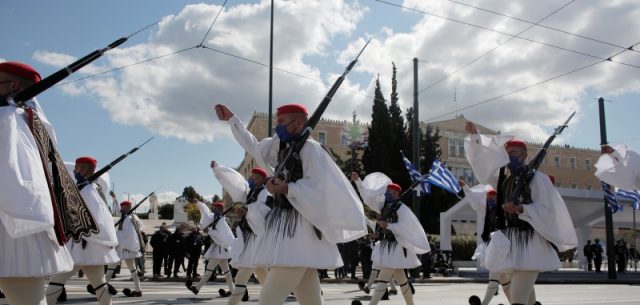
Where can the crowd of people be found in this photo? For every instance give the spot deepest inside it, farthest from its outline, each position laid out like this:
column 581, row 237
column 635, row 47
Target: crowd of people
column 626, row 255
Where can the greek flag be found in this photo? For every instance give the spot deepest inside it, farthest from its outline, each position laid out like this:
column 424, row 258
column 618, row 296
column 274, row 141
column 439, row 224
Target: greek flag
column 423, row 187
column 440, row 176
column 634, row 196
column 610, row 197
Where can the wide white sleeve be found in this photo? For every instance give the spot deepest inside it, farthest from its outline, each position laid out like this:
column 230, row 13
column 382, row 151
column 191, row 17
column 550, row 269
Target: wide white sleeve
column 620, row 169
column 128, row 237
column 25, row 203
column 138, row 222
column 372, row 190
column 206, row 216
column 409, row 231
column 265, row 151
column 222, row 234
column 477, row 198
column 486, row 154
column 232, row 181
column 548, row 214
column 257, row 213
column 326, row 198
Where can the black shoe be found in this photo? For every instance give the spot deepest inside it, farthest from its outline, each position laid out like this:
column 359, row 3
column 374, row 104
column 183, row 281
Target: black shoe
column 90, row 289
column 127, row 292
column 385, row 296
column 366, row 290
column 356, row 302
column 63, row 295
column 393, row 292
column 224, row 293
column 245, row 297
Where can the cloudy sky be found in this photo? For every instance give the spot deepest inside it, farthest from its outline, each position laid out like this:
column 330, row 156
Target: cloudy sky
column 475, row 50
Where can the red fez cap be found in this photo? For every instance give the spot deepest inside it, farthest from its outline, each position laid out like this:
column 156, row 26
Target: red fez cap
column 492, row 193
column 87, row 160
column 126, row 202
column 553, row 179
column 394, row 186
column 516, row 143
column 260, row 171
column 19, row 69
column 218, row 204
column 291, row 108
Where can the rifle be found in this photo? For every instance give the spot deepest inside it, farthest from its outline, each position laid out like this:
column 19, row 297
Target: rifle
column 525, row 178
column 123, row 216
column 103, row 170
column 294, row 152
column 61, row 74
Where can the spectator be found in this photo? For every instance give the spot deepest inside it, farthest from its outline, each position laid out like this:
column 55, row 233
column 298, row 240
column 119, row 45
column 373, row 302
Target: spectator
column 176, row 245
column 587, row 251
column 159, row 244
column 194, row 249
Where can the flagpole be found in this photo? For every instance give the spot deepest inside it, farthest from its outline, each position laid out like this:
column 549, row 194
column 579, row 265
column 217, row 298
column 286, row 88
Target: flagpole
column 635, row 242
column 611, row 261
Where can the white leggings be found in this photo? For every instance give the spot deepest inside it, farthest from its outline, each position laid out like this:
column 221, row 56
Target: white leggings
column 23, row 290
column 211, row 267
column 281, row 281
column 131, row 265
column 95, row 275
column 242, row 278
column 522, row 283
column 385, row 276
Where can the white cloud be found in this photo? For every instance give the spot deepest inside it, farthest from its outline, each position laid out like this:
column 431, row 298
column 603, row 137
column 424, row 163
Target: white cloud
column 448, row 46
column 173, row 96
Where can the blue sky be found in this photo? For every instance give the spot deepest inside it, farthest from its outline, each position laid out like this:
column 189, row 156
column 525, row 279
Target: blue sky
column 106, row 116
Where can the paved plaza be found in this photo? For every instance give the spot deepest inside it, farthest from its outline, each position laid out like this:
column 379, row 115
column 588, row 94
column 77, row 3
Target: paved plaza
column 342, row 293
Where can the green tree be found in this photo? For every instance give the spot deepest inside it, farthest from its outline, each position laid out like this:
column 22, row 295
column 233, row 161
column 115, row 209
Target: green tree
column 165, row 211
column 376, row 152
column 397, row 171
column 189, row 193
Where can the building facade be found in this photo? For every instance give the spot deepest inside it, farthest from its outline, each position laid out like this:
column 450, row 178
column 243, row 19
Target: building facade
column 572, row 167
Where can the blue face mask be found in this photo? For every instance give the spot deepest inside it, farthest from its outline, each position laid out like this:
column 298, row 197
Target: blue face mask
column 251, row 184
column 283, row 133
column 515, row 166
column 79, row 178
column 388, row 197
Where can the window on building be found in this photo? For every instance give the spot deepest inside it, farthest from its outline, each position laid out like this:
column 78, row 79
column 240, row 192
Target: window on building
column 588, row 187
column 556, row 161
column 344, row 140
column 322, row 137
column 461, row 148
column 453, row 149
column 572, row 162
column 573, row 186
column 587, row 164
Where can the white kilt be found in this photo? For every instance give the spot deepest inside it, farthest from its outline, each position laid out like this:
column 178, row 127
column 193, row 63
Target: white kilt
column 128, row 254
column 276, row 248
column 243, row 254
column 35, row 255
column 392, row 256
column 520, row 251
column 94, row 254
column 216, row 252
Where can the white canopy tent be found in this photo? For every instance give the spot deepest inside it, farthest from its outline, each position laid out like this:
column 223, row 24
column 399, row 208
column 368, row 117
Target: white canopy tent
column 585, row 207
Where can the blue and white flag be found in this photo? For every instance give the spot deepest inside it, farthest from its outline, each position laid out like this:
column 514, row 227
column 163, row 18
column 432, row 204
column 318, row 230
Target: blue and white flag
column 440, row 176
column 634, row 196
column 423, row 187
column 610, row 197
